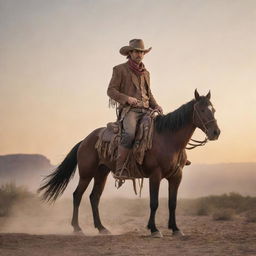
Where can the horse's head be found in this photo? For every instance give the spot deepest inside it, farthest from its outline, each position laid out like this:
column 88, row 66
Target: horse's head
column 203, row 116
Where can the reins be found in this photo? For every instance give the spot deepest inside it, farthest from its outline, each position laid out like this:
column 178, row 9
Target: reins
column 199, row 143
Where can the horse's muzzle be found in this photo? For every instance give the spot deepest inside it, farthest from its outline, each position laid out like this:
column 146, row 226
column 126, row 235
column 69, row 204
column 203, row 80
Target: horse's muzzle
column 214, row 134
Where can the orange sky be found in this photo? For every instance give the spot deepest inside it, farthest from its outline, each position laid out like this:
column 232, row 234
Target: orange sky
column 56, row 60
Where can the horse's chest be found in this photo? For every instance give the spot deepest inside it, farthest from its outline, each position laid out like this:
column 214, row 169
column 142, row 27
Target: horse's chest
column 174, row 162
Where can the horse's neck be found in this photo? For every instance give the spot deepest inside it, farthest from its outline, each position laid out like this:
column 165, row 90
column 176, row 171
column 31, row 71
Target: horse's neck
column 180, row 138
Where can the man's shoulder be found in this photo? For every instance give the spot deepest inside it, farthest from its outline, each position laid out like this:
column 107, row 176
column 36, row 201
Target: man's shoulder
column 147, row 72
column 121, row 66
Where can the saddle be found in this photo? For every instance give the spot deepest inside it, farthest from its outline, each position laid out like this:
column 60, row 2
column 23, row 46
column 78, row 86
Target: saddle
column 110, row 137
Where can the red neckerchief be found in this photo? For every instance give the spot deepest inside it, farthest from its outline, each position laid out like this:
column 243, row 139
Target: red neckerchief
column 138, row 69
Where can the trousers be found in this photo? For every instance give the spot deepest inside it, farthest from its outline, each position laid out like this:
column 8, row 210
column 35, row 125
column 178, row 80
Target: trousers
column 129, row 126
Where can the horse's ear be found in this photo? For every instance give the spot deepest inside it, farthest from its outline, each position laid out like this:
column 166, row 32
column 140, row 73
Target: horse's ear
column 197, row 96
column 208, row 96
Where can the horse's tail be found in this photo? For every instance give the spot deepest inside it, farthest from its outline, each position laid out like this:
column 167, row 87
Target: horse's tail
column 56, row 182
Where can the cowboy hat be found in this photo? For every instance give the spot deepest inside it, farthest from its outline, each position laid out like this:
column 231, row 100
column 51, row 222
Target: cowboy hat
column 134, row 44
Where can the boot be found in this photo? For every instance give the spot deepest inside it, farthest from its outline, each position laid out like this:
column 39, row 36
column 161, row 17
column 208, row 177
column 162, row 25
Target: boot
column 121, row 170
column 188, row 162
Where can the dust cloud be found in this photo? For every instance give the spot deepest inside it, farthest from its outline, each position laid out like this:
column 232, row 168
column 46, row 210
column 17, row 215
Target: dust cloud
column 33, row 216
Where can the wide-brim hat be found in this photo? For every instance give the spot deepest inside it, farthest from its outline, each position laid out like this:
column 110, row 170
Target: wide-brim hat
column 134, row 44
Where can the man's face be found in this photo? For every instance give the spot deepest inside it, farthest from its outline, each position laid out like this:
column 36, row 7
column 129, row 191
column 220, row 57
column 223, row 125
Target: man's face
column 137, row 56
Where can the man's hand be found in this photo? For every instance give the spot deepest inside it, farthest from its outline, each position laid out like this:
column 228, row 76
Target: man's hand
column 132, row 101
column 159, row 109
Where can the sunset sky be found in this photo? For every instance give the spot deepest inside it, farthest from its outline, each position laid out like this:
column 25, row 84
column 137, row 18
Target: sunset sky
column 56, row 59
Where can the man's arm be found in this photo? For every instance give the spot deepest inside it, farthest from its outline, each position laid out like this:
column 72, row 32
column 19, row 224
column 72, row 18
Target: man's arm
column 114, row 88
column 152, row 102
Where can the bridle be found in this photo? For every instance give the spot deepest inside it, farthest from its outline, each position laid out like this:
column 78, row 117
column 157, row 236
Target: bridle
column 201, row 120
column 204, row 125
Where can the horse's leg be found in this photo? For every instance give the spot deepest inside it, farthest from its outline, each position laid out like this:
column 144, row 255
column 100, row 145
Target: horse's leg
column 99, row 184
column 77, row 196
column 87, row 160
column 174, row 183
column 154, row 183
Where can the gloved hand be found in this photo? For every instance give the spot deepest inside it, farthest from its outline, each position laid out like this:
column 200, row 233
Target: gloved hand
column 159, row 109
column 132, row 101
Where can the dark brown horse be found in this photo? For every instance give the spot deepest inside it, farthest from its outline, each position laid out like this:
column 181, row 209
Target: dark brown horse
column 172, row 133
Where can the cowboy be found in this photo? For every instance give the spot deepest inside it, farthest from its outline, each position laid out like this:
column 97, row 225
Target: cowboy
column 130, row 89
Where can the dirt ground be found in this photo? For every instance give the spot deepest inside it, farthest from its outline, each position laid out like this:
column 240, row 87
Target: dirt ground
column 203, row 236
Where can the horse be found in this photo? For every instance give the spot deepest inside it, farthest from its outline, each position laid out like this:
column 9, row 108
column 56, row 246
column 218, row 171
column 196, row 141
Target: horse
column 172, row 133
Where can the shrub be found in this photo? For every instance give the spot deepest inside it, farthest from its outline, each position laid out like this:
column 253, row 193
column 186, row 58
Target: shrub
column 224, row 214
column 210, row 204
column 202, row 210
column 9, row 195
column 250, row 216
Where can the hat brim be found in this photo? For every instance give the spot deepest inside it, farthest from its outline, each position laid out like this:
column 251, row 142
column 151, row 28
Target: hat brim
column 126, row 49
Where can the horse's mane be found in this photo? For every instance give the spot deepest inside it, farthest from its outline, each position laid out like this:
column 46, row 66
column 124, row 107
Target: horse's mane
column 176, row 119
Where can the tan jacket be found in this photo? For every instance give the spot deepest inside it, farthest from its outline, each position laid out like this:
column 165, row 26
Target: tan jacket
column 125, row 83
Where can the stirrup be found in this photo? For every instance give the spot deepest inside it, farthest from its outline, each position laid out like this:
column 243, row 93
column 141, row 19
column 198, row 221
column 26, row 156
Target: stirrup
column 119, row 183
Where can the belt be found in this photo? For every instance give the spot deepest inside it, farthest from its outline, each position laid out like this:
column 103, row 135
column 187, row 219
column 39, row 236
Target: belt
column 139, row 109
column 141, row 104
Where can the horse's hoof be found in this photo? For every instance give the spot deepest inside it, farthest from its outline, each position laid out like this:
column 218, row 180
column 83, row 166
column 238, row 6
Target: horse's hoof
column 156, row 234
column 178, row 233
column 78, row 233
column 104, row 232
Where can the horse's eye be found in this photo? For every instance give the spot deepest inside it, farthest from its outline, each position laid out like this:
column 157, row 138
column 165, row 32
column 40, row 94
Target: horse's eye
column 202, row 110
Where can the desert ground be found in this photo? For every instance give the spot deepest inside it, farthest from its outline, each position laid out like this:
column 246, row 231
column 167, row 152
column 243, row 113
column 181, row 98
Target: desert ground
column 34, row 228
column 203, row 237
